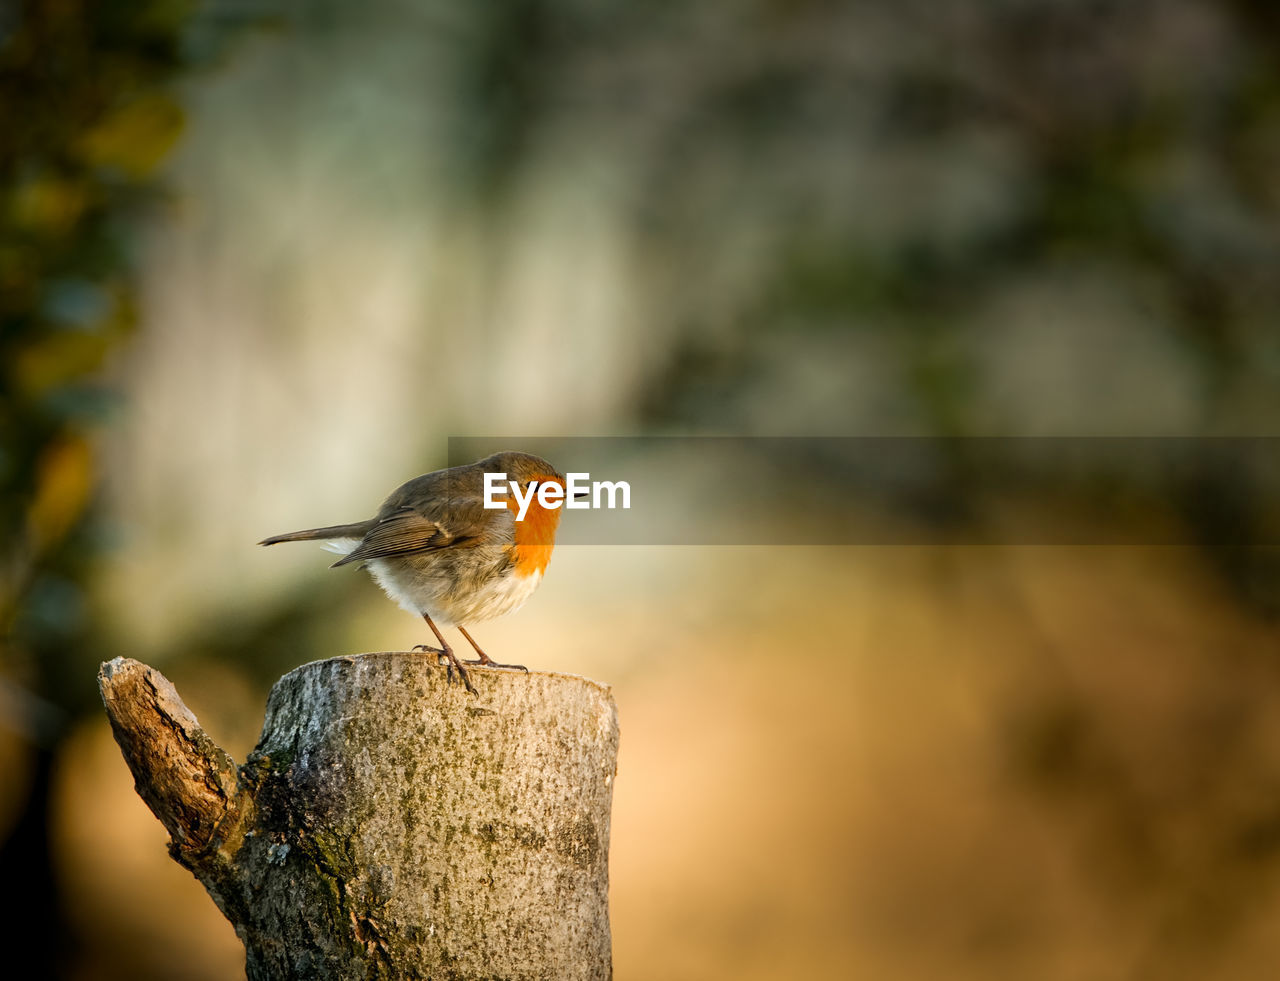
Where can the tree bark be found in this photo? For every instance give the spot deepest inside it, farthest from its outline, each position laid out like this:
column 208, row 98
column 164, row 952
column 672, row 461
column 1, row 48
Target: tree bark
column 388, row 825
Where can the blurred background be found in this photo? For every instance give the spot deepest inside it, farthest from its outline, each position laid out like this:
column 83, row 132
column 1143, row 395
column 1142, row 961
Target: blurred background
column 259, row 260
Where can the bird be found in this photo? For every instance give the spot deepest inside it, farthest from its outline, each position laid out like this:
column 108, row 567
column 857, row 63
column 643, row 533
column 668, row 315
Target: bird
column 437, row 550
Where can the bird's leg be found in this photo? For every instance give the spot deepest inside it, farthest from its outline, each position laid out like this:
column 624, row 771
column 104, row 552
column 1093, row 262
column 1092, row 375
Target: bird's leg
column 446, row 652
column 484, row 659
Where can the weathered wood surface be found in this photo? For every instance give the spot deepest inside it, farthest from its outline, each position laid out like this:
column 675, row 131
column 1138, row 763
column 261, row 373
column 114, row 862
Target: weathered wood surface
column 389, row 825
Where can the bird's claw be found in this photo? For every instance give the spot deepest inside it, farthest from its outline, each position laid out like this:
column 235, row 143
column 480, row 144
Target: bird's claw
column 450, row 661
column 462, row 673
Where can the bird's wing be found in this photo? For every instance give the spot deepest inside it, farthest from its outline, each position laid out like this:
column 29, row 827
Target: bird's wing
column 403, row 532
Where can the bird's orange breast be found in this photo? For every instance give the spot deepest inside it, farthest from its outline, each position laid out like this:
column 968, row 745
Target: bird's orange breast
column 535, row 535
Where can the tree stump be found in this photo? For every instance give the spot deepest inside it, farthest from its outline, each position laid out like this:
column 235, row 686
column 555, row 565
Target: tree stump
column 389, row 825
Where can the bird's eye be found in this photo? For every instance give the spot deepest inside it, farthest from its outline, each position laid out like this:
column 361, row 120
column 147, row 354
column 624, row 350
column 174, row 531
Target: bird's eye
column 532, row 485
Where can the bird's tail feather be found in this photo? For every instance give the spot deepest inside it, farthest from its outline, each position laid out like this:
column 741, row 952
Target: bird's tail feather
column 357, row 531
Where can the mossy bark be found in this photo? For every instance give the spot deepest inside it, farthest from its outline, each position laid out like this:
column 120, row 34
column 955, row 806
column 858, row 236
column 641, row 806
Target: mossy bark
column 389, row 825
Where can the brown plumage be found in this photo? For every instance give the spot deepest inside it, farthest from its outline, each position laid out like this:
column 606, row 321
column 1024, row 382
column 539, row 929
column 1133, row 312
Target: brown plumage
column 437, row 551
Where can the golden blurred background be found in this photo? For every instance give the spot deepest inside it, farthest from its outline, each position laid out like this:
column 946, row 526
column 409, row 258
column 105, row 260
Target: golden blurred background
column 260, row 260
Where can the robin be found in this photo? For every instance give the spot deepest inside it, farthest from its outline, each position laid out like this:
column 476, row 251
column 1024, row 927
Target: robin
column 436, row 549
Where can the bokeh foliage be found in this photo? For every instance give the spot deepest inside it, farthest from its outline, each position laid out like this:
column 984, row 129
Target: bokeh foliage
column 86, row 92
column 89, row 103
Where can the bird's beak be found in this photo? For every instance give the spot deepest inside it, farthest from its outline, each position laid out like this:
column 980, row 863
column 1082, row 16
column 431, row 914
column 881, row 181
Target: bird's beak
column 581, row 495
